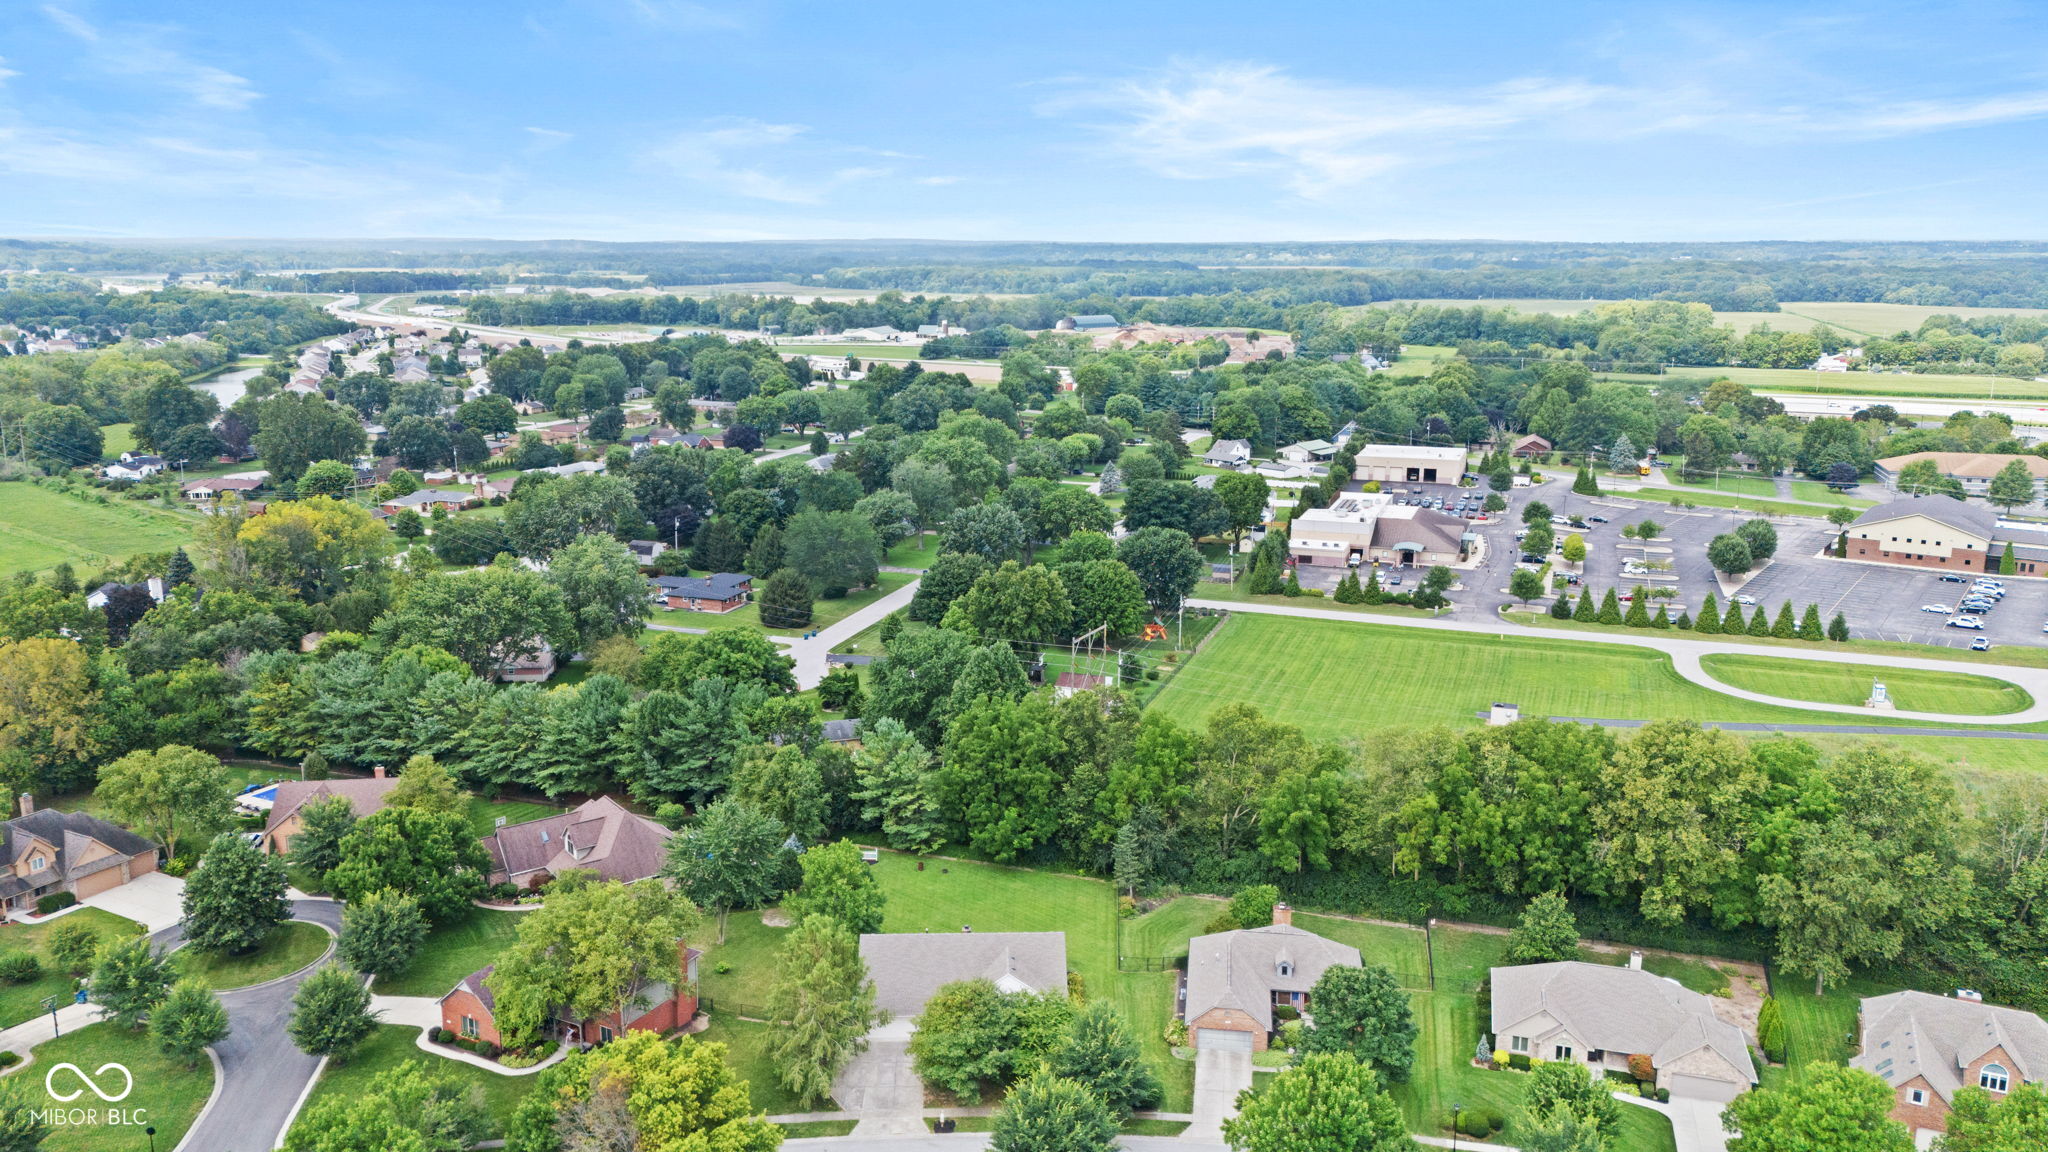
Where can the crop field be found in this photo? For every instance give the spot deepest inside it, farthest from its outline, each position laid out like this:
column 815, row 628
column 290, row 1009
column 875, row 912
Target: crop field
column 1900, row 384
column 1335, row 679
column 1915, row 690
column 42, row 527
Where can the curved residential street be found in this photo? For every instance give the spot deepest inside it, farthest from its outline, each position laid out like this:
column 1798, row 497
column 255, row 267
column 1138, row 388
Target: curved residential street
column 263, row 1075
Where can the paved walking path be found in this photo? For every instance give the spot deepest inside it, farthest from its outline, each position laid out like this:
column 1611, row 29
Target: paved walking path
column 810, row 654
column 1685, row 657
column 1823, row 729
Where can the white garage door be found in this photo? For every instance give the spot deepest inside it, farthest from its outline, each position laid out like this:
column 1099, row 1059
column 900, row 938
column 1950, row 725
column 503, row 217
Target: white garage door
column 1704, row 1088
column 1223, row 1040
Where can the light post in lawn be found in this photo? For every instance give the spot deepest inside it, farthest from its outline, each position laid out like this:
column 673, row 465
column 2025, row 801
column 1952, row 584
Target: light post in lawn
column 1455, row 1110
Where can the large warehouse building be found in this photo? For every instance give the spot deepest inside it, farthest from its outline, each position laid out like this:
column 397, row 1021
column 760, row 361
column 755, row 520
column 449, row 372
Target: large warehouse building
column 1409, row 464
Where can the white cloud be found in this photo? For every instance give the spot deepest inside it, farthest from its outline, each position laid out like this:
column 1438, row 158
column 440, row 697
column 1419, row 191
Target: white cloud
column 552, row 134
column 142, row 53
column 5, row 71
column 727, row 157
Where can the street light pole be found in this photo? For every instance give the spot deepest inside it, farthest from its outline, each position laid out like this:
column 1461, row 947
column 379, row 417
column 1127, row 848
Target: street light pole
column 1455, row 1110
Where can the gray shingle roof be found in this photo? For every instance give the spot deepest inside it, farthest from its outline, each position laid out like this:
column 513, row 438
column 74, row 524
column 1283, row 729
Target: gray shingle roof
column 1908, row 1034
column 70, row 834
column 1618, row 1010
column 1976, row 519
column 1241, row 969
column 599, row 834
column 717, row 586
column 907, row 967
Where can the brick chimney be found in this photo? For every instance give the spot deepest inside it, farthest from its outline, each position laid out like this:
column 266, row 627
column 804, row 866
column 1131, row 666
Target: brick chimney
column 377, row 772
column 1283, row 916
column 27, row 803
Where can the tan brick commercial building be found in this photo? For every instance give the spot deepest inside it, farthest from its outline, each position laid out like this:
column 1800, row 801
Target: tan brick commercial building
column 1937, row 532
column 1973, row 470
column 1408, row 464
column 1927, row 1048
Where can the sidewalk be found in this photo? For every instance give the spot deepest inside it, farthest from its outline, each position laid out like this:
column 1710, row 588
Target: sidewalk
column 29, row 1033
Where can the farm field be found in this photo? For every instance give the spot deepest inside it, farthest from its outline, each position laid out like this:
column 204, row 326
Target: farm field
column 1404, row 676
column 1900, row 384
column 41, row 527
column 1915, row 690
column 1793, row 316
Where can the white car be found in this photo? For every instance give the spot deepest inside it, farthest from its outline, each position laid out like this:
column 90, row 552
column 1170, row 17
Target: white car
column 1745, row 599
column 1981, row 644
column 1970, row 622
column 1941, row 608
column 1561, row 521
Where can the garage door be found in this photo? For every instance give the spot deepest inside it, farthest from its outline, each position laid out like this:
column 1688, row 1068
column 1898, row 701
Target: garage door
column 1223, row 1040
column 1704, row 1088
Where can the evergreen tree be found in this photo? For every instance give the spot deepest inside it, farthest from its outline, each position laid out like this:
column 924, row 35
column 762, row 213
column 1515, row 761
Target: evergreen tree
column 2008, row 560
column 1708, row 622
column 824, row 1004
column 718, row 548
column 1684, row 621
column 1838, row 628
column 1374, row 593
column 1810, row 626
column 1770, row 1030
column 1787, row 626
column 764, row 556
column 1622, row 456
column 1610, row 608
column 1584, row 612
column 179, row 571
column 1662, row 619
column 1561, row 608
column 1586, row 485
column 786, row 599
column 1638, row 610
column 1348, row 591
column 1759, row 622
column 1293, row 585
column 1264, row 579
column 1732, row 622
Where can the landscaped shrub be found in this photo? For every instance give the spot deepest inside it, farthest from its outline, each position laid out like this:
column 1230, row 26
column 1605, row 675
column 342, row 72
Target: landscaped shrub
column 1770, row 1030
column 1077, row 988
column 1663, row 1095
column 1474, row 1123
column 1647, row 1091
column 521, row 1059
column 1495, row 1121
column 443, row 1036
column 55, row 901
column 20, row 967
column 1519, row 1062
column 488, row 1050
column 1640, row 1067
column 504, row 890
column 9, row 1059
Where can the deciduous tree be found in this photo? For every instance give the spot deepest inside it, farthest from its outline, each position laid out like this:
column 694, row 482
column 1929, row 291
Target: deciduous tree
column 331, row 1013
column 168, row 794
column 1329, row 1102
column 234, row 898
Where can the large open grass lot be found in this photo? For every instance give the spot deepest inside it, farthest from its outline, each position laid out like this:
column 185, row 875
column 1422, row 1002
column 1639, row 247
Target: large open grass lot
column 1794, row 315
column 42, row 527
column 289, row 947
column 19, row 1002
column 167, row 1094
column 393, row 1044
column 1901, row 384
column 1336, row 679
column 1915, row 690
column 454, row 950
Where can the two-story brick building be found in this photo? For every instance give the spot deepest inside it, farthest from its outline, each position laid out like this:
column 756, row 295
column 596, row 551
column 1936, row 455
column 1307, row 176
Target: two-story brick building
column 469, row 1009
column 1927, row 1048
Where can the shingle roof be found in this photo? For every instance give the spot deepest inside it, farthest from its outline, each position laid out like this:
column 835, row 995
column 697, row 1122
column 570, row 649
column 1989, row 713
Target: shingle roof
column 717, row 586
column 1974, row 465
column 364, row 796
column 1976, row 519
column 839, row 731
column 1241, row 969
column 1908, row 1034
column 1399, row 524
column 599, row 834
column 68, row 834
column 907, row 967
column 1617, row 1009
column 475, row 986
column 1228, row 450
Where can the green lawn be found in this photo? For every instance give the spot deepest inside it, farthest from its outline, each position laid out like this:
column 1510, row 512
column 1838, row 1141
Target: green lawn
column 746, row 1053
column 1915, row 690
column 804, row 1129
column 393, row 1044
column 2015, row 655
column 454, row 950
column 167, row 1094
column 240, row 774
column 118, row 438
column 41, row 527
column 824, row 613
column 1709, row 499
column 289, row 947
column 1407, row 676
column 1817, row 1028
column 907, row 554
column 483, row 814
column 19, row 1002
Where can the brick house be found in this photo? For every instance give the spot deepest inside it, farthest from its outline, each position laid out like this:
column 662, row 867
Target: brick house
column 1938, row 532
column 1600, row 1015
column 469, row 1008
column 48, row 851
column 718, row 592
column 286, row 808
column 1928, row 1047
column 599, row 835
column 1236, row 979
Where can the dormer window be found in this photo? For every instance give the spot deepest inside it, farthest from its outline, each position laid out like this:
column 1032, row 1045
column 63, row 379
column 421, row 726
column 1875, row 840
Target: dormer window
column 1287, row 967
column 38, row 863
column 1992, row 1078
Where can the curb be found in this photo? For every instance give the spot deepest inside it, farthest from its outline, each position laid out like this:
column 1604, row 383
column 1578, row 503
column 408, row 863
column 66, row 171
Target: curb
column 298, row 1105
column 220, row 1080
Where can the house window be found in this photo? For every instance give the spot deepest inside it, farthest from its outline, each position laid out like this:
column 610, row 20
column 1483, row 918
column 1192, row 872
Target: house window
column 37, row 863
column 1561, row 1052
column 469, row 1028
column 1518, row 1043
column 1287, row 967
column 604, row 1034
column 1992, row 1078
column 1918, row 1096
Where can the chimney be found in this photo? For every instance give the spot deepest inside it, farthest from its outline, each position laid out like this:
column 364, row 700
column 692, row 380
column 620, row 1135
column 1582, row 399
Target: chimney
column 1970, row 994
column 1283, row 916
column 377, row 772
column 1635, row 961
column 28, row 803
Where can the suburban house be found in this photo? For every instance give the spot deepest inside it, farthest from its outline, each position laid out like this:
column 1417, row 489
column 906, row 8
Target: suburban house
column 1973, row 470
column 426, row 500
column 214, row 489
column 718, row 592
column 1600, row 1015
column 134, row 466
column 1308, row 452
column 1093, row 323
column 48, row 851
column 1228, row 454
column 1926, row 1047
column 646, row 551
column 840, row 732
column 469, row 1009
column 599, row 835
column 1359, row 530
column 1530, row 445
column 286, row 806
column 907, row 967
column 1831, row 362
column 1926, row 532
column 533, row 667
column 1070, row 683
column 155, row 586
column 1409, row 463
column 1236, row 979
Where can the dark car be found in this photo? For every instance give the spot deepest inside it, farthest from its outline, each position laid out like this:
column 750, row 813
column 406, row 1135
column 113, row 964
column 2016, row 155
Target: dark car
column 1596, row 519
column 1949, row 578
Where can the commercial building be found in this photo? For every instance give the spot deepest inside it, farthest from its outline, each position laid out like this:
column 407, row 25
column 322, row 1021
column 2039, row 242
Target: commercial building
column 1973, row 470
column 1409, row 464
column 1363, row 529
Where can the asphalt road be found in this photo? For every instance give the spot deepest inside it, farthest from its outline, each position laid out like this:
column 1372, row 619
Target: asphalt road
column 263, row 1075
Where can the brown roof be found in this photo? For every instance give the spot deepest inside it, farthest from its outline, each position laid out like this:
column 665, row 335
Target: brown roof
column 1975, row 465
column 475, row 986
column 363, row 796
column 600, row 835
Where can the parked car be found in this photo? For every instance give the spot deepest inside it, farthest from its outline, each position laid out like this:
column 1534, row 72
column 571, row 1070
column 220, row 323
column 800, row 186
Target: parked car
column 1949, row 578
column 1941, row 608
column 1970, row 622
column 1981, row 644
column 1987, row 582
column 1560, row 521
column 1744, row 599
column 1596, row 519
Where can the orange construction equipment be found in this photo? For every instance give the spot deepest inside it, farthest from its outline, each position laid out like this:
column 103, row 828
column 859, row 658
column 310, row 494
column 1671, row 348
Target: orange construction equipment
column 1155, row 631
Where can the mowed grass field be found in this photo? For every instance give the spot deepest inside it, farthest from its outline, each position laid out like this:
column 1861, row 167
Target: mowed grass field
column 1336, row 679
column 41, row 528
column 1900, row 384
column 1794, row 316
column 1915, row 690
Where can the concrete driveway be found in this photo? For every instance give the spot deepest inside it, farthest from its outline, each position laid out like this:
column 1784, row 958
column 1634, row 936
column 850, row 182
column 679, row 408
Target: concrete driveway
column 153, row 900
column 1695, row 1124
column 1219, row 1077
column 880, row 1088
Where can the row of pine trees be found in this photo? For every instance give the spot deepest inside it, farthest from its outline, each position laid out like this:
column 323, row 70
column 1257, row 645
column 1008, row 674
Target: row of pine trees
column 1710, row 622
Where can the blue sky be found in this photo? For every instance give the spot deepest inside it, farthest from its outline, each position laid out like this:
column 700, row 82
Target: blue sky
column 676, row 120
